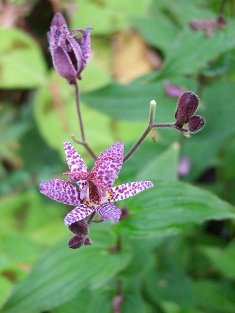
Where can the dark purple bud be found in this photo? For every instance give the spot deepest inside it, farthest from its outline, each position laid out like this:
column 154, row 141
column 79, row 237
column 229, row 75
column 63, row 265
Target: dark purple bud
column 69, row 53
column 221, row 21
column 125, row 213
column 173, row 90
column 76, row 242
column 187, row 105
column 79, row 228
column 87, row 241
column 195, row 124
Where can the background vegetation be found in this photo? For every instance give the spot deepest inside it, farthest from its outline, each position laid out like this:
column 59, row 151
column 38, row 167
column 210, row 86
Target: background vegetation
column 177, row 252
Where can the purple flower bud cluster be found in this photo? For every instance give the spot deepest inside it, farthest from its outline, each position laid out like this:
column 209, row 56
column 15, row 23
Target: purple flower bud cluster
column 80, row 229
column 188, row 104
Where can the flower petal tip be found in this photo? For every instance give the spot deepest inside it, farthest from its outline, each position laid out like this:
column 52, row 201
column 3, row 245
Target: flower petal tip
column 150, row 183
column 58, row 20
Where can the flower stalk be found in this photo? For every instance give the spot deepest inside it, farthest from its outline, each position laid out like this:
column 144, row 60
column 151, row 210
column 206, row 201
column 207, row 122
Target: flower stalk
column 83, row 142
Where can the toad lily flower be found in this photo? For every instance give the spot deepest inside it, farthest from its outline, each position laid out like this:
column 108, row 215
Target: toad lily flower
column 93, row 190
column 69, row 53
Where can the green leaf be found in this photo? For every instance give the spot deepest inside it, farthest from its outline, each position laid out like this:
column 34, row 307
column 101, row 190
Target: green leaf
column 133, row 300
column 169, row 207
column 168, row 286
column 6, row 287
column 182, row 12
column 191, row 51
column 227, row 157
column 131, row 102
column 107, row 16
column 21, row 62
column 213, row 296
column 92, row 301
column 61, row 272
column 163, row 167
column 222, row 259
column 151, row 28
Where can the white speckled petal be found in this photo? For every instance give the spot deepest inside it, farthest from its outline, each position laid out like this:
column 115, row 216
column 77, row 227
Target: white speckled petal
column 74, row 160
column 128, row 190
column 61, row 191
column 109, row 211
column 78, row 214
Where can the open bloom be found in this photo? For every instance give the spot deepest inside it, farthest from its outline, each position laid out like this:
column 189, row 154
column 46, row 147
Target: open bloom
column 69, row 52
column 93, row 190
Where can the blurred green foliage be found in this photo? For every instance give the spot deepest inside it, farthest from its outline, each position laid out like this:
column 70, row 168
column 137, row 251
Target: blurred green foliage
column 177, row 251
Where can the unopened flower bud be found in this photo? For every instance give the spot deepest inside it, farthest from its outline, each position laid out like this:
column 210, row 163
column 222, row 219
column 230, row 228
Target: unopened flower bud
column 221, row 21
column 195, row 124
column 69, row 53
column 76, row 242
column 79, row 228
column 125, row 213
column 87, row 241
column 187, row 105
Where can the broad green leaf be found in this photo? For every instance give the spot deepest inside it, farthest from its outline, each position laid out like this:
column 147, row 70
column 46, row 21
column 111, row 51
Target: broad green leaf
column 227, row 157
column 131, row 102
column 27, row 211
column 191, row 51
column 214, row 296
column 168, row 286
column 6, row 287
column 163, row 167
column 133, row 300
column 170, row 207
column 89, row 301
column 21, row 62
column 102, row 299
column 151, row 28
column 182, row 12
column 171, row 307
column 222, row 259
column 61, row 272
column 107, row 16
column 166, row 279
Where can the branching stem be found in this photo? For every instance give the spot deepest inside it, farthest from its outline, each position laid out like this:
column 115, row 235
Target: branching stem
column 150, row 126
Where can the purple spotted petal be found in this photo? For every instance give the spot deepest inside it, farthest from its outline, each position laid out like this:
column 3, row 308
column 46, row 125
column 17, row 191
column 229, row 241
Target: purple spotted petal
column 74, row 160
column 78, row 214
column 109, row 163
column 63, row 64
column 127, row 190
column 61, row 191
column 86, row 45
column 109, row 211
